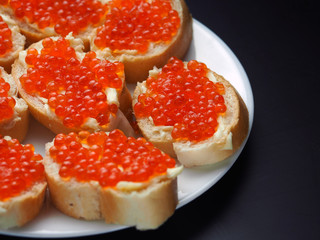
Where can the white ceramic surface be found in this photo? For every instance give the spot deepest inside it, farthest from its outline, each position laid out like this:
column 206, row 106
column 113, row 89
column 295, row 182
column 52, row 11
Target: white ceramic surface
column 205, row 47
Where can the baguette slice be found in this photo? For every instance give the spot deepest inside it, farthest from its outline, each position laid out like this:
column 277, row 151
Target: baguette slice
column 17, row 125
column 232, row 129
column 145, row 205
column 136, row 64
column 145, row 209
column 76, row 199
column 34, row 33
column 18, row 42
column 41, row 111
column 21, row 209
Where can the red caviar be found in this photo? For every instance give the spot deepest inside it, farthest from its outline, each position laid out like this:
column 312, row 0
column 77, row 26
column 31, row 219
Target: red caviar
column 4, row 2
column 133, row 24
column 5, row 38
column 108, row 158
column 7, row 103
column 75, row 89
column 183, row 97
column 65, row 16
column 20, row 168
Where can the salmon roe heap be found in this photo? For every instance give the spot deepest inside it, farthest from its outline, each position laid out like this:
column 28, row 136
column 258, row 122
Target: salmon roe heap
column 5, row 38
column 108, row 158
column 20, row 168
column 133, row 24
column 185, row 98
column 65, row 16
column 4, row 2
column 76, row 90
column 7, row 103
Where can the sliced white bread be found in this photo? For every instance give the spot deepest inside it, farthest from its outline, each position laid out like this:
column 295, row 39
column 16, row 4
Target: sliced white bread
column 145, row 209
column 232, row 129
column 17, row 125
column 75, row 199
column 42, row 112
column 137, row 64
column 145, row 205
column 20, row 210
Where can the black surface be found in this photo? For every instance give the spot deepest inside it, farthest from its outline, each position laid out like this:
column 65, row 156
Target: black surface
column 272, row 191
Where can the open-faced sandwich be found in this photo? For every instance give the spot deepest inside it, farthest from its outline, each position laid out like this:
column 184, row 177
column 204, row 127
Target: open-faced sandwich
column 22, row 183
column 70, row 90
column 143, row 34
column 191, row 113
column 39, row 19
column 109, row 176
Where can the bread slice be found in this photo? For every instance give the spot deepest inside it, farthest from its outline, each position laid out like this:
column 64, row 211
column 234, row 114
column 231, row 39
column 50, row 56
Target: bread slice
column 145, row 205
column 137, row 65
column 75, row 199
column 19, row 210
column 232, row 129
column 154, row 205
column 34, row 34
column 17, row 125
column 18, row 42
column 42, row 112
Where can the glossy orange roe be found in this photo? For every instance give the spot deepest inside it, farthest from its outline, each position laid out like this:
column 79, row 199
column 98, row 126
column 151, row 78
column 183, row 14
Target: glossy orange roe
column 133, row 24
column 5, row 38
column 65, row 16
column 7, row 103
column 183, row 98
column 20, row 168
column 108, row 158
column 4, row 2
column 75, row 90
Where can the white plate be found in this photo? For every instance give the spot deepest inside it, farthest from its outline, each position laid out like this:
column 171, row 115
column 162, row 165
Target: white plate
column 205, row 47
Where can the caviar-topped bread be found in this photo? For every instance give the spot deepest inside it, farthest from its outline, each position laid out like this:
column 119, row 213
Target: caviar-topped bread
column 109, row 176
column 70, row 90
column 191, row 113
column 38, row 19
column 143, row 34
column 22, row 183
column 11, row 41
column 14, row 114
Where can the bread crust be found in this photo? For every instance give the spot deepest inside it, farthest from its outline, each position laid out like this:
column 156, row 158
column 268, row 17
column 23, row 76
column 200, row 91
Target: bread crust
column 138, row 65
column 154, row 205
column 38, row 107
column 17, row 125
column 75, row 199
column 18, row 42
column 18, row 211
column 146, row 207
column 231, row 133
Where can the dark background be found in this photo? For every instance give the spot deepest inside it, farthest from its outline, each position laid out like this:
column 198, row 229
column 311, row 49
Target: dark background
column 273, row 190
